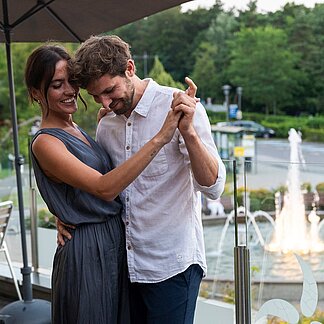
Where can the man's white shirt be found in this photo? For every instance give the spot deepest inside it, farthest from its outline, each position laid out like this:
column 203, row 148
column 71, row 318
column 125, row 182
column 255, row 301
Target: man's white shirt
column 162, row 207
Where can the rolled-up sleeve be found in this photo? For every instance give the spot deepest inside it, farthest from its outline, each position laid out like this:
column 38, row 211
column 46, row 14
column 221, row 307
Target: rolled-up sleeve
column 203, row 129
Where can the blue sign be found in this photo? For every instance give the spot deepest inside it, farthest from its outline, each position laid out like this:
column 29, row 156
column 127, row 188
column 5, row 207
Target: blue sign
column 232, row 111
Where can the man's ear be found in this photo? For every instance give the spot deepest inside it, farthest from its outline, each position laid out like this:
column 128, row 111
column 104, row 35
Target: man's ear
column 130, row 69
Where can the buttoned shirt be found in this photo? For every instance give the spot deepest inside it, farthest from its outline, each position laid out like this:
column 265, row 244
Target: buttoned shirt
column 162, row 207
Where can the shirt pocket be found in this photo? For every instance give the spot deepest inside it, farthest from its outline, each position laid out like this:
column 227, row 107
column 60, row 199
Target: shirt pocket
column 158, row 166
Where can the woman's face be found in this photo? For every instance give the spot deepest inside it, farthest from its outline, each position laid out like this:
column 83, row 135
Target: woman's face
column 61, row 95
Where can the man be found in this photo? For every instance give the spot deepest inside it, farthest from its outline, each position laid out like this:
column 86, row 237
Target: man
column 164, row 236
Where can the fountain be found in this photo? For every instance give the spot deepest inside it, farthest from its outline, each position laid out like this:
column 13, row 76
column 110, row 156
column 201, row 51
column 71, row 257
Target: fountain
column 292, row 233
column 273, row 243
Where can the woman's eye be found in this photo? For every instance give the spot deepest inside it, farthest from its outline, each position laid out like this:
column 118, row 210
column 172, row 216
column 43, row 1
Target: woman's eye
column 56, row 85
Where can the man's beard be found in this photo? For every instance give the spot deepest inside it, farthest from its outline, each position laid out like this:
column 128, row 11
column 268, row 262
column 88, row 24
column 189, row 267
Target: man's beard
column 127, row 101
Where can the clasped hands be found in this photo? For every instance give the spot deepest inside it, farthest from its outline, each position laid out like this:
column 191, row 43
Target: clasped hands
column 186, row 103
column 182, row 101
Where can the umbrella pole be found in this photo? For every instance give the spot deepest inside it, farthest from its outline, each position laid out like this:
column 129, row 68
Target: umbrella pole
column 19, row 161
column 29, row 310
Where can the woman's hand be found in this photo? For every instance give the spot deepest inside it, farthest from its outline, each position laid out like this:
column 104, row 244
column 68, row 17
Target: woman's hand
column 102, row 112
column 62, row 231
column 169, row 126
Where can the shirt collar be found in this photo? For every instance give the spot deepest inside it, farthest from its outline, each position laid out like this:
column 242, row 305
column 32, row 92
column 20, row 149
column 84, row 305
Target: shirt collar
column 144, row 104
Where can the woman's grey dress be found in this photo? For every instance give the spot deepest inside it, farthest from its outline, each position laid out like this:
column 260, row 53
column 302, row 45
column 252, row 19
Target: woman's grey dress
column 89, row 279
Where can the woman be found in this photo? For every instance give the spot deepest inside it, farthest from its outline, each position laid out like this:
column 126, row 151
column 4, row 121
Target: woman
column 77, row 182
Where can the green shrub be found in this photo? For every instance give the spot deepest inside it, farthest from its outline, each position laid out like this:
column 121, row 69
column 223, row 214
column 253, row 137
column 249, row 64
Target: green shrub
column 46, row 219
column 320, row 187
column 318, row 316
column 306, row 186
column 262, row 199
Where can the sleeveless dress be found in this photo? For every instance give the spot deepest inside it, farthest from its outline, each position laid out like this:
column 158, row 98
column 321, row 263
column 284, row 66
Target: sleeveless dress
column 89, row 277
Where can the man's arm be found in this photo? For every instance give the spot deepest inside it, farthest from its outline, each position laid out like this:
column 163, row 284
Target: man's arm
column 203, row 164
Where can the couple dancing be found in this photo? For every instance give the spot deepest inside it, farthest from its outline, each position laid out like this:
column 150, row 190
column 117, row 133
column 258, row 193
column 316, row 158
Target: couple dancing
column 128, row 204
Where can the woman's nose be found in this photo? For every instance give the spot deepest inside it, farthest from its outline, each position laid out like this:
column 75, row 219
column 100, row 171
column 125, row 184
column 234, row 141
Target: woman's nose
column 71, row 89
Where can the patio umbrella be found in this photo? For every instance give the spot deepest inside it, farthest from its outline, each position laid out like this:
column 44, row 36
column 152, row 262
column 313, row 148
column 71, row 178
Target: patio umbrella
column 65, row 21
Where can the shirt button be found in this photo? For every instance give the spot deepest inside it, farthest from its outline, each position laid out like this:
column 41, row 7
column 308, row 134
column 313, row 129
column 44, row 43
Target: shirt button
column 129, row 247
column 127, row 147
column 127, row 199
column 129, row 124
column 127, row 223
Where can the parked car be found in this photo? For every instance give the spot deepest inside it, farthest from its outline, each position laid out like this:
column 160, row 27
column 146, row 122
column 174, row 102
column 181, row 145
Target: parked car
column 252, row 126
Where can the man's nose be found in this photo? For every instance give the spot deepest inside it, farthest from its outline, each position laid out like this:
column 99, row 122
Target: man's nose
column 105, row 102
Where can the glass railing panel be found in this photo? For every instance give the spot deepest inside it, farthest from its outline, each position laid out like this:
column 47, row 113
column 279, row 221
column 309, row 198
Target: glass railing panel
column 217, row 217
column 8, row 191
column 284, row 198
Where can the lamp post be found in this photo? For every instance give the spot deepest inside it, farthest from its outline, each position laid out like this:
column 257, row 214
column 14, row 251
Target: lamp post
column 239, row 91
column 226, row 88
column 145, row 58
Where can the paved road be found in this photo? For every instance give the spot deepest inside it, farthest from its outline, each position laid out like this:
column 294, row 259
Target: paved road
column 279, row 150
column 270, row 168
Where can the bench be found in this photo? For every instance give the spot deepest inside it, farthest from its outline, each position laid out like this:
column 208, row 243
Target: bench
column 5, row 212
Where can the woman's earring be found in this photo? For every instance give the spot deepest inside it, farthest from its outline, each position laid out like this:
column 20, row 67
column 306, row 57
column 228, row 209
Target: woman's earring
column 38, row 101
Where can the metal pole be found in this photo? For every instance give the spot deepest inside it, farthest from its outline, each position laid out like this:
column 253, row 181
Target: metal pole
column 241, row 270
column 32, row 212
column 242, row 285
column 29, row 310
column 226, row 88
column 19, row 161
column 145, row 56
column 239, row 91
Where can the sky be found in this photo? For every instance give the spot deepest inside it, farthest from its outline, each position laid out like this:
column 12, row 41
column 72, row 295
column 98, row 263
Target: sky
column 263, row 5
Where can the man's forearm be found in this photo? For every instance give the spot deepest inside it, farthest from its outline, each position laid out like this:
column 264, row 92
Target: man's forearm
column 203, row 164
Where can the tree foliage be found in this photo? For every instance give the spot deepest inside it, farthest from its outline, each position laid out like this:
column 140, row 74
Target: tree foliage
column 278, row 58
column 263, row 64
column 205, row 72
column 162, row 77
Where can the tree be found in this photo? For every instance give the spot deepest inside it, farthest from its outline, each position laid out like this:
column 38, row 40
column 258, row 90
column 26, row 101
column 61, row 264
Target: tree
column 205, row 73
column 172, row 35
column 219, row 33
column 263, row 64
column 250, row 17
column 316, row 58
column 162, row 77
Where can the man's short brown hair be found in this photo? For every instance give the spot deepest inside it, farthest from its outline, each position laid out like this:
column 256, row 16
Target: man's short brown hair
column 97, row 56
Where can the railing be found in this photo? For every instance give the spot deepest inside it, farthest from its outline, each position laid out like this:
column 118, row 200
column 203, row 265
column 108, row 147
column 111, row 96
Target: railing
column 280, row 275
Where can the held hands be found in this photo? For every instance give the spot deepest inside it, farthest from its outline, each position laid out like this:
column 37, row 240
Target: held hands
column 170, row 125
column 185, row 102
column 181, row 113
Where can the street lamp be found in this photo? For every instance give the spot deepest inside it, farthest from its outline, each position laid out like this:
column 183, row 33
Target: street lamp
column 226, row 88
column 239, row 91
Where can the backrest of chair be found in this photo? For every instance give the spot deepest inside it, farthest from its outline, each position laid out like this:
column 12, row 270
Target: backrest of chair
column 5, row 212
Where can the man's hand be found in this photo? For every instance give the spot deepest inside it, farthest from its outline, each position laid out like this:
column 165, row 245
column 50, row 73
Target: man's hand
column 62, row 231
column 186, row 103
column 192, row 88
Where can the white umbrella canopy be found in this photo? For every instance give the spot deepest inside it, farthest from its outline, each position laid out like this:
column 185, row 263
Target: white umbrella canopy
column 64, row 21
column 72, row 20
